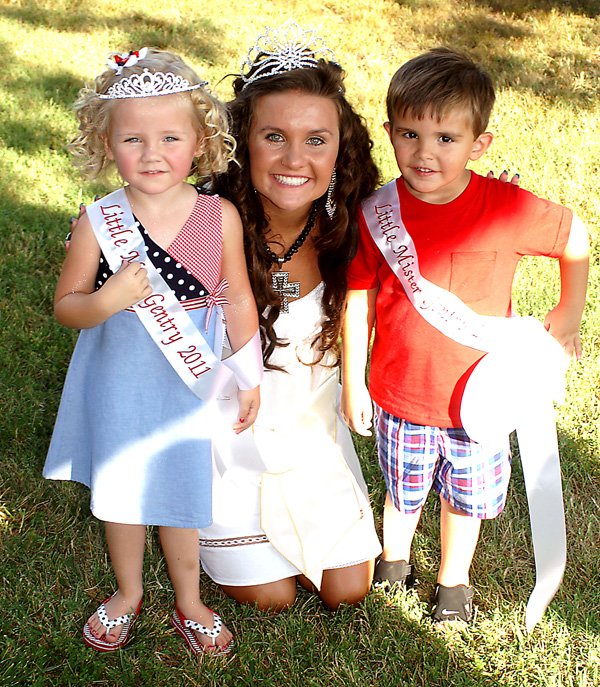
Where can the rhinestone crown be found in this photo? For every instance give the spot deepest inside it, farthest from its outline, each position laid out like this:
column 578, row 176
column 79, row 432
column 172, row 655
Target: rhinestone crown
column 283, row 49
column 148, row 84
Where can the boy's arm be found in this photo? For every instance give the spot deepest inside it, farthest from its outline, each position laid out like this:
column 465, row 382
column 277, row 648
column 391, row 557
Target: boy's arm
column 563, row 321
column 356, row 405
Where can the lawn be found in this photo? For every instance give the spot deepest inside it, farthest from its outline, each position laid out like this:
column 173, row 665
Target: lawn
column 545, row 58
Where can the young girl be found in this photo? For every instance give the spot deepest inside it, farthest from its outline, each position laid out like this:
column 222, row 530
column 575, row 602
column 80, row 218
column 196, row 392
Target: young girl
column 145, row 278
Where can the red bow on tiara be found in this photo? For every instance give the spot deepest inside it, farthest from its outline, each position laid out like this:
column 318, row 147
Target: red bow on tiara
column 122, row 59
column 117, row 61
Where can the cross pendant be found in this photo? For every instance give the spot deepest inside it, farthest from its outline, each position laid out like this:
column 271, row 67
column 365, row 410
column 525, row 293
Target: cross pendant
column 285, row 289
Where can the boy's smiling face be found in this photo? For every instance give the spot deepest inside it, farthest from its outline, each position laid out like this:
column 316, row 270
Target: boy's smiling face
column 432, row 153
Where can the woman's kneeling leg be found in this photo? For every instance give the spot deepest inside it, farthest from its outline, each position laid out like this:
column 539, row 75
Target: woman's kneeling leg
column 272, row 596
column 346, row 585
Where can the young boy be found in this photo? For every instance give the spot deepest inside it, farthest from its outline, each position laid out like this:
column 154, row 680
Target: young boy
column 469, row 233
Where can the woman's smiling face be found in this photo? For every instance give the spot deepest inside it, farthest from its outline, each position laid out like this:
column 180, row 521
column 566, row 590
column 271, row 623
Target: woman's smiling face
column 293, row 146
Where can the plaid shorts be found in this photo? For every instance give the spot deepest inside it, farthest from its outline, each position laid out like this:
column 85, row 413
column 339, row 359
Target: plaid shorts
column 413, row 458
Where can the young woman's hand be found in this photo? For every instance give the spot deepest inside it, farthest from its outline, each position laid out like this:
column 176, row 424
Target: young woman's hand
column 356, row 409
column 74, row 221
column 515, row 179
column 72, row 224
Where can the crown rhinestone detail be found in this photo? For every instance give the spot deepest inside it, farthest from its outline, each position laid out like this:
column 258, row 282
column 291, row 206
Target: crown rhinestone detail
column 148, row 84
column 284, row 49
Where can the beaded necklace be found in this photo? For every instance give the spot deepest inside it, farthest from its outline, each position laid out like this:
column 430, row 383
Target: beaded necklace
column 279, row 279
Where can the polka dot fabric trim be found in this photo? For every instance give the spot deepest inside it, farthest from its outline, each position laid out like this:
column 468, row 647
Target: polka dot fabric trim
column 183, row 283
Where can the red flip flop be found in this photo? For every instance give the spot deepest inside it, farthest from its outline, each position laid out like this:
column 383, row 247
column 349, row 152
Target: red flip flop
column 185, row 628
column 127, row 621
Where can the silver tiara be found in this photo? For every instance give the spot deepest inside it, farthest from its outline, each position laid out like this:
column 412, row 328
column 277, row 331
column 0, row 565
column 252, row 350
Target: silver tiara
column 283, row 49
column 148, row 84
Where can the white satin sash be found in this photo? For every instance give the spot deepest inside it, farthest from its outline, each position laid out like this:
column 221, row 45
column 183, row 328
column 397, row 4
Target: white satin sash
column 512, row 387
column 169, row 325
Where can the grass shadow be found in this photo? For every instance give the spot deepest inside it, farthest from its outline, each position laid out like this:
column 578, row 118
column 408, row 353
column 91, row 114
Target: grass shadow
column 497, row 37
column 29, row 134
column 198, row 38
column 522, row 8
column 33, row 361
column 556, row 76
column 32, row 96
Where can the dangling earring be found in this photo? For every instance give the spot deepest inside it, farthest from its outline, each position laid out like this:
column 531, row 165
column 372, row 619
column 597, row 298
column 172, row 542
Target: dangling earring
column 330, row 205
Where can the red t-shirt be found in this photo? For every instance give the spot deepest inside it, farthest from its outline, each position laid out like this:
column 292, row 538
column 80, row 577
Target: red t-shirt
column 470, row 246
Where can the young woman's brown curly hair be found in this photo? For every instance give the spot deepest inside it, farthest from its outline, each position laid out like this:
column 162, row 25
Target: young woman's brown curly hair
column 334, row 239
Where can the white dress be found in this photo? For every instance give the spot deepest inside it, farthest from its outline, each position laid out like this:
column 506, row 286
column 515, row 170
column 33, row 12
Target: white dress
column 295, row 474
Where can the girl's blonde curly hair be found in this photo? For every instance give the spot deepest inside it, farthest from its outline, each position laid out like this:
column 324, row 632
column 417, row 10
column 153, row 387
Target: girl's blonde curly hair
column 88, row 147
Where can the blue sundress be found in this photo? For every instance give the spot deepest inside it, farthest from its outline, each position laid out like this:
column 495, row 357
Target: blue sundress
column 127, row 426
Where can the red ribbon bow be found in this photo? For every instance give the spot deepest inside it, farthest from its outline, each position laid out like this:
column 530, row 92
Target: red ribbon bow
column 121, row 60
column 216, row 298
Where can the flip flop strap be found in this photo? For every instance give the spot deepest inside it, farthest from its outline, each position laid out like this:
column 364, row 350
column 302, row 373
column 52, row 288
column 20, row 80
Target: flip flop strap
column 109, row 624
column 198, row 627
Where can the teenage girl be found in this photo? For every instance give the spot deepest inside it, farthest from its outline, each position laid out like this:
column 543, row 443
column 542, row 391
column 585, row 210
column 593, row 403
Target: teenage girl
column 129, row 427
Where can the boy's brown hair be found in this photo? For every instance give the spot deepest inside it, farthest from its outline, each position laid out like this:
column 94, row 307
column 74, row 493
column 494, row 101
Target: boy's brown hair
column 438, row 81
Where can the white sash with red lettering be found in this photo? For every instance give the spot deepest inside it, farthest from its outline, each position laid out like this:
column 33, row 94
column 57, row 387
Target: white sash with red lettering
column 512, row 387
column 169, row 325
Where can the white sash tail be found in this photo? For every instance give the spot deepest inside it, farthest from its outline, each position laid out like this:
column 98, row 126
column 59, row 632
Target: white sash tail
column 511, row 388
column 169, row 325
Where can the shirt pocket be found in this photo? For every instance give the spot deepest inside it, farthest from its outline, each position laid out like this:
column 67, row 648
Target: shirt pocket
column 472, row 275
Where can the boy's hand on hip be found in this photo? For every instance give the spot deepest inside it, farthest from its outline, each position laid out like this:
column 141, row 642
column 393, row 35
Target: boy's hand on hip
column 564, row 327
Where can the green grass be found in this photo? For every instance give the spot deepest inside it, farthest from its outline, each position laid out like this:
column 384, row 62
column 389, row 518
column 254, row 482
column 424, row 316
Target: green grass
column 545, row 57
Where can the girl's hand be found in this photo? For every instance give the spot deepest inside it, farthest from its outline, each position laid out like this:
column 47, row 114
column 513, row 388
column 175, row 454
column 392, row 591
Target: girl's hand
column 126, row 287
column 249, row 402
